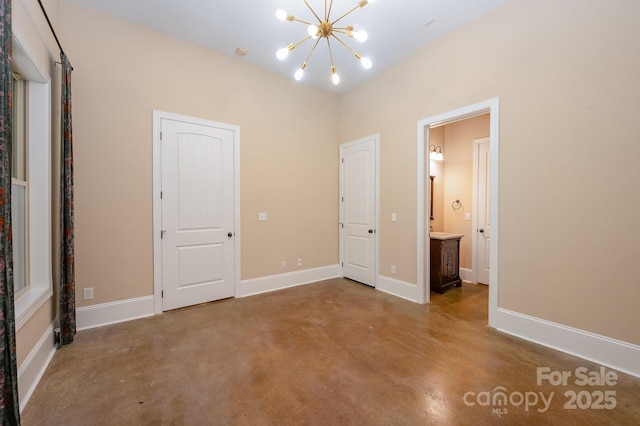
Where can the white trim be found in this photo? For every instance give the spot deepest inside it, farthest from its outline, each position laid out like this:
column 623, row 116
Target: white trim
column 603, row 350
column 423, row 249
column 492, row 107
column 467, row 274
column 114, row 312
column 398, row 288
column 376, row 139
column 269, row 283
column 35, row 364
column 36, row 72
column 29, row 303
column 157, row 186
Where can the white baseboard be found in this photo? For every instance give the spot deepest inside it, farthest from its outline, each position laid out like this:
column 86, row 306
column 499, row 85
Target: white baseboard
column 466, row 274
column 34, row 365
column 269, row 283
column 616, row 354
column 398, row 288
column 114, row 312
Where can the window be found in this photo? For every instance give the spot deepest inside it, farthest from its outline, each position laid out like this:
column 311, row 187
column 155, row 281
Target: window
column 31, row 183
column 20, row 185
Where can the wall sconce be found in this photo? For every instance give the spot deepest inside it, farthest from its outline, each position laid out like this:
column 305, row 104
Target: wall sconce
column 435, row 153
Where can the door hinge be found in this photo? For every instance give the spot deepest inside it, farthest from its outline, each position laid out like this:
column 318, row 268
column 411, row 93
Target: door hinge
column 162, row 234
column 160, row 135
column 342, row 199
column 342, row 264
column 343, row 161
column 161, row 195
column 342, row 225
column 162, row 293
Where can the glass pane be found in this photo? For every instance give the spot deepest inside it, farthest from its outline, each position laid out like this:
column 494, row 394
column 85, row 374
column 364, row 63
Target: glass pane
column 18, row 212
column 18, row 133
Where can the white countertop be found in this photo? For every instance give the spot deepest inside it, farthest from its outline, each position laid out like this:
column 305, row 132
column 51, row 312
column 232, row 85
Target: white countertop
column 444, row 236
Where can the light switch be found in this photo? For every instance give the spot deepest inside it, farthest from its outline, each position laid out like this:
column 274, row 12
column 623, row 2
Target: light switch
column 393, row 217
column 467, row 216
column 262, row 216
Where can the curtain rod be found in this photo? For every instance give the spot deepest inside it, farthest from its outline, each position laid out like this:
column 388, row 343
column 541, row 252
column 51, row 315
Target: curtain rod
column 51, row 26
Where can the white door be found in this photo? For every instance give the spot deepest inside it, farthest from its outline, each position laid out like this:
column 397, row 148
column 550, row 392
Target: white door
column 483, row 226
column 358, row 210
column 197, row 213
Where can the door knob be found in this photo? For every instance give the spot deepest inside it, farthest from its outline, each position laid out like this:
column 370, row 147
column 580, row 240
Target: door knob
column 229, row 235
column 371, row 231
column 481, row 231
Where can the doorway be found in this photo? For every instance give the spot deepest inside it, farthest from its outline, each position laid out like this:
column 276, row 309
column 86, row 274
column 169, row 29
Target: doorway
column 196, row 211
column 490, row 106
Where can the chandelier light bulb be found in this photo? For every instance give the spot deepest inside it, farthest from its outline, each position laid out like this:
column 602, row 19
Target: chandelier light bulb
column 312, row 30
column 281, row 14
column 282, row 53
column 335, row 78
column 298, row 75
column 366, row 63
column 361, row 36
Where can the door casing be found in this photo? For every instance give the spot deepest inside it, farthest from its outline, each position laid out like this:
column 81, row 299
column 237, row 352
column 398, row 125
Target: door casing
column 490, row 106
column 157, row 206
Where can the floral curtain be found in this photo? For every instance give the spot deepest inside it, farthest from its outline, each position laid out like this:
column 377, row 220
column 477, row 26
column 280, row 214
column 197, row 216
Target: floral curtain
column 9, row 406
column 67, row 256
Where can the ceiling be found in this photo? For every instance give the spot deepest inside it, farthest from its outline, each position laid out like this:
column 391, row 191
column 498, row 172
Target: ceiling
column 396, row 29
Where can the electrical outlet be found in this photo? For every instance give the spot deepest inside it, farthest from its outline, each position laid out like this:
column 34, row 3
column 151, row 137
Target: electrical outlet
column 284, row 264
column 262, row 216
column 88, row 293
column 299, row 262
column 393, row 269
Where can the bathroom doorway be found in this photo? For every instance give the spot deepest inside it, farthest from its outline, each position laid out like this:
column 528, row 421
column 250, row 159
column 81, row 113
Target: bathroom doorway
column 456, row 210
column 458, row 201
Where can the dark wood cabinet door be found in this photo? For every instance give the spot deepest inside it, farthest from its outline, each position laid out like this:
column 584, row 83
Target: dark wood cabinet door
column 445, row 268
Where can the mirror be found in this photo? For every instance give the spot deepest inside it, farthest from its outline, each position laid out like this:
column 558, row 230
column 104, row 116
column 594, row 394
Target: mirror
column 431, row 198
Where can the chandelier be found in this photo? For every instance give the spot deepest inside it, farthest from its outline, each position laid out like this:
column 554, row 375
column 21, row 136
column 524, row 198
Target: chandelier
column 327, row 29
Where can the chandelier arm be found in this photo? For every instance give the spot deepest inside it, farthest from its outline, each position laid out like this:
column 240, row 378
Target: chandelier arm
column 330, row 53
column 356, row 54
column 298, row 43
column 312, row 49
column 312, row 11
column 300, row 20
column 362, row 3
column 327, row 12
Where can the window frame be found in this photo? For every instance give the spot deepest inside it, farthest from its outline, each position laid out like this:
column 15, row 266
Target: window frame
column 40, row 288
column 20, row 174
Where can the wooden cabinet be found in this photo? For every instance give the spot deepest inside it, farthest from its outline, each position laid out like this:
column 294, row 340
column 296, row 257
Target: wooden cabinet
column 445, row 267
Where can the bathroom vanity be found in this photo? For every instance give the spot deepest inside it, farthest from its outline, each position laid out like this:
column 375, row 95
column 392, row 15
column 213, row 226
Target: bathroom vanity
column 445, row 260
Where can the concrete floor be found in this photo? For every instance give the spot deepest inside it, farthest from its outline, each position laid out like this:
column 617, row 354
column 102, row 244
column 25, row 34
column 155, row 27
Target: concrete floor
column 333, row 352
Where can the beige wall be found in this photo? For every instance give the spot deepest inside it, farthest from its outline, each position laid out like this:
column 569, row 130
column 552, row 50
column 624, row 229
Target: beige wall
column 566, row 74
column 289, row 151
column 458, row 178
